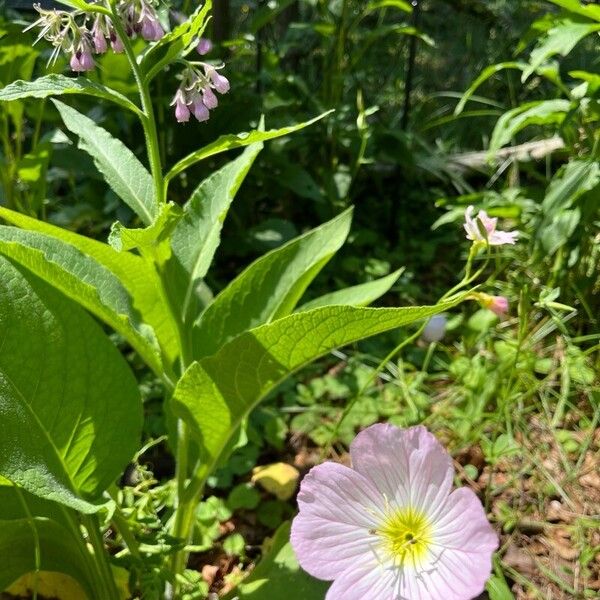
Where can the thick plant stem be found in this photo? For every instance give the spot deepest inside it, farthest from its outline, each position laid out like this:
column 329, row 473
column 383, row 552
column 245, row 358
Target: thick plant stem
column 148, row 119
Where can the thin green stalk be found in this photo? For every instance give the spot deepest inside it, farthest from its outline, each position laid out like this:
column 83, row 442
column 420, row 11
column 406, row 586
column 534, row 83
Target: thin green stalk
column 148, row 119
column 122, row 525
column 108, row 589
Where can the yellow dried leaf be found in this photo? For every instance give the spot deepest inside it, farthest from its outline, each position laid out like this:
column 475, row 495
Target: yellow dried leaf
column 279, row 479
column 49, row 584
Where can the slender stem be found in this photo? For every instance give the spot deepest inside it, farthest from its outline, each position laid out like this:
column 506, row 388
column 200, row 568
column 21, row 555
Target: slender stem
column 109, row 589
column 122, row 525
column 148, row 119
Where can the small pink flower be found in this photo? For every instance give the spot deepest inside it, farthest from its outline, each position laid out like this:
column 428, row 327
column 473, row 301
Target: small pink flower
column 220, row 83
column 497, row 304
column 182, row 112
column 151, row 29
column 209, row 98
column 390, row 527
column 494, row 238
column 99, row 35
column 200, row 110
column 204, row 46
column 116, row 44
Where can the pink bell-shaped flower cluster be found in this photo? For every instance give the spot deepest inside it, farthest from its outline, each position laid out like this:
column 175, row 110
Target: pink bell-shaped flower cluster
column 80, row 34
column 482, row 229
column 195, row 95
column 391, row 527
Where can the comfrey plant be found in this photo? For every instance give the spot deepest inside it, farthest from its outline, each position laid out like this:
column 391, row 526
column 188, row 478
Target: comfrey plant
column 70, row 408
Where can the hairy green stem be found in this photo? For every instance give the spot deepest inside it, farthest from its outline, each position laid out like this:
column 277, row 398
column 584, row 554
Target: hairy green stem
column 148, row 118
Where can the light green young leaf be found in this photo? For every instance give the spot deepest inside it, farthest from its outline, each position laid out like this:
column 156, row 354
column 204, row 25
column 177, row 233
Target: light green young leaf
column 59, row 85
column 561, row 39
column 122, row 170
column 198, row 234
column 270, row 287
column 533, row 113
column 86, row 281
column 357, row 295
column 399, row 4
column 231, row 141
column 63, row 386
column 278, row 575
column 575, row 6
column 136, row 275
column 175, row 44
column 79, row 5
column 216, row 393
column 58, row 552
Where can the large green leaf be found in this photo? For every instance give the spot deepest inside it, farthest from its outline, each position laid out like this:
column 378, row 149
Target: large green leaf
column 175, row 44
column 86, row 281
column 231, row 141
column 575, row 6
column 197, row 235
column 561, row 39
column 278, row 575
column 270, row 287
column 533, row 113
column 125, row 174
column 58, row 85
column 21, row 539
column 63, row 388
column 216, row 393
column 357, row 295
column 136, row 275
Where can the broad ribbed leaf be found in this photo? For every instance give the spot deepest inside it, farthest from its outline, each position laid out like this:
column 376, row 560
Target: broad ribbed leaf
column 533, row 113
column 125, row 174
column 86, row 281
column 357, row 295
column 59, row 85
column 231, row 141
column 270, row 287
column 136, row 275
column 19, row 541
column 177, row 43
column 216, row 393
column 70, row 410
column 198, row 234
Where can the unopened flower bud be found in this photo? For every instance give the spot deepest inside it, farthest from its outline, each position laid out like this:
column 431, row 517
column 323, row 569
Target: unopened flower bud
column 497, row 304
column 435, row 329
column 204, row 46
column 116, row 44
column 100, row 44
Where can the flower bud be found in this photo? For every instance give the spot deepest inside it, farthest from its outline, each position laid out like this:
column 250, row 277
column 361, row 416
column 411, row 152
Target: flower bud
column 182, row 112
column 497, row 304
column 209, row 98
column 116, row 44
column 220, row 83
column 204, row 46
column 435, row 329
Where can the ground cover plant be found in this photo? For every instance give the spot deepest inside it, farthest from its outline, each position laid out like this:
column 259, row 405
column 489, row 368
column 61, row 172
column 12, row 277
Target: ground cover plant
column 196, row 400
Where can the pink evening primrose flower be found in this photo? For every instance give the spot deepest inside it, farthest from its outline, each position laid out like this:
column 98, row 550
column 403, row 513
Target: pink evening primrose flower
column 494, row 238
column 390, row 527
column 497, row 304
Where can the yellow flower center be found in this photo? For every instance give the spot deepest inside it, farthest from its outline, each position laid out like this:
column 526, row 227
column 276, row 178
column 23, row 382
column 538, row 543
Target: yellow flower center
column 407, row 536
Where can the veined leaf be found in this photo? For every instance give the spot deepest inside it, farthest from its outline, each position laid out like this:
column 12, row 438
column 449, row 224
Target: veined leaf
column 231, row 141
column 122, row 170
column 278, row 575
column 79, row 5
column 175, row 44
column 58, row 552
column 357, row 295
column 533, row 113
column 59, row 85
column 270, row 287
column 198, row 234
column 63, row 386
column 561, row 39
column 136, row 275
column 83, row 279
column 216, row 393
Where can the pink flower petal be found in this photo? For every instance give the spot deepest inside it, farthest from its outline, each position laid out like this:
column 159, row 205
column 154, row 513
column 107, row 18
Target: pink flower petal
column 363, row 582
column 409, row 466
column 338, row 509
